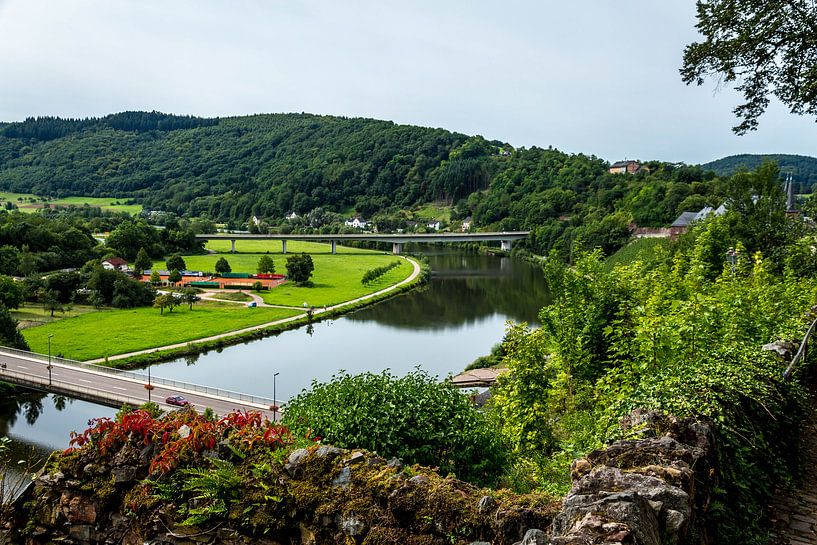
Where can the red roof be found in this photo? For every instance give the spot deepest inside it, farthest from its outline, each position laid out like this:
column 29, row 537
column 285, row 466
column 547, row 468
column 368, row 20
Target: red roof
column 116, row 261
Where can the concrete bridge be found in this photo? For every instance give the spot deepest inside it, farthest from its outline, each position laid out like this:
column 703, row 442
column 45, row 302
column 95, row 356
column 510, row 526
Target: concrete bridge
column 115, row 387
column 505, row 238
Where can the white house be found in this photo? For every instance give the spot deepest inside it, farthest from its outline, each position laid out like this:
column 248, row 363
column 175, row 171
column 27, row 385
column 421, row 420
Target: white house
column 115, row 264
column 357, row 223
column 434, row 224
column 291, row 216
column 466, row 223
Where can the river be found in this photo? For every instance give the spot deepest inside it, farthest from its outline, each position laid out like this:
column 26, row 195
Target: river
column 440, row 328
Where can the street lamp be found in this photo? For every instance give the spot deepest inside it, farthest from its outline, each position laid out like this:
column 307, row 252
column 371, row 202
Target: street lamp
column 274, row 400
column 49, row 366
column 731, row 257
column 149, row 386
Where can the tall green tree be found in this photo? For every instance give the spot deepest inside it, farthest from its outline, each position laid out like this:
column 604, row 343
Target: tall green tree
column 176, row 262
column 767, row 48
column 9, row 334
column 142, row 261
column 299, row 268
column 265, row 265
column 223, row 266
column 175, row 276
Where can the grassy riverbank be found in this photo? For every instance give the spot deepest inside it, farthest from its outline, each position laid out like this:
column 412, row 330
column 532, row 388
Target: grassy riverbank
column 109, row 332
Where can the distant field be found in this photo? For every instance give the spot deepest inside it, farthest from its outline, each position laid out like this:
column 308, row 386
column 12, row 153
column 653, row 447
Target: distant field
column 109, row 332
column 25, row 204
column 433, row 212
column 34, row 315
column 336, row 277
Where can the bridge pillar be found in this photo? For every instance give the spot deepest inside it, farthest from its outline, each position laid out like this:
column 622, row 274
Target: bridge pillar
column 232, row 243
column 396, row 248
column 505, row 245
column 334, row 246
column 284, row 246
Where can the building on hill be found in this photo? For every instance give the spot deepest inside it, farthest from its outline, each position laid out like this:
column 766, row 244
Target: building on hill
column 686, row 219
column 466, row 223
column 791, row 209
column 625, row 167
column 434, row 225
column 115, row 264
column 357, row 223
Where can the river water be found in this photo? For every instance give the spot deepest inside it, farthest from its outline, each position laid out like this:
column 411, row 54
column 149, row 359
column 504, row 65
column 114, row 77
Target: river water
column 441, row 328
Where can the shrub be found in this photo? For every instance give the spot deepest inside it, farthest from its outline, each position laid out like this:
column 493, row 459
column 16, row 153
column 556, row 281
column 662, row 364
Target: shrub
column 415, row 417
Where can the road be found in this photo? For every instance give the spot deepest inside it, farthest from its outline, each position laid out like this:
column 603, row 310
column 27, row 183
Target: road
column 113, row 388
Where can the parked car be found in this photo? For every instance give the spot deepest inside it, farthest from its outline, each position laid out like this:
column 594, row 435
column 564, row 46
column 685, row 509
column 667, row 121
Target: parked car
column 252, row 304
column 177, row 400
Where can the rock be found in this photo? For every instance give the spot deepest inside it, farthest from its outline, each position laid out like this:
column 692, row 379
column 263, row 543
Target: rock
column 535, row 537
column 329, row 452
column 123, row 474
column 580, row 467
column 486, row 504
column 294, row 462
column 395, row 463
column 77, row 508
column 343, row 478
column 419, row 480
column 81, row 532
column 352, row 525
column 356, row 458
column 307, row 535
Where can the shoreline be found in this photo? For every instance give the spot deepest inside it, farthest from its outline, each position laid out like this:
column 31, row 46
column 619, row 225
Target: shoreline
column 141, row 358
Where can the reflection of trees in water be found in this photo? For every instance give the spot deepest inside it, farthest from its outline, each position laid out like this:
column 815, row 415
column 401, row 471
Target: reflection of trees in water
column 465, row 288
column 16, row 401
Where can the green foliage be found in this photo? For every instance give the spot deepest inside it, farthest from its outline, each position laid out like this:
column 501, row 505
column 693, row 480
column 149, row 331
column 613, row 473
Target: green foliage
column 265, row 265
column 680, row 333
column 299, row 268
column 142, row 261
column 415, row 417
column 175, row 262
column 759, row 47
column 11, row 295
column 222, row 266
column 9, row 334
column 174, row 277
column 212, row 490
column 803, row 168
column 373, row 274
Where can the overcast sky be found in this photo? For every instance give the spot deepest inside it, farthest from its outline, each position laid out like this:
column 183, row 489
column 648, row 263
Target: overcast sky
column 591, row 76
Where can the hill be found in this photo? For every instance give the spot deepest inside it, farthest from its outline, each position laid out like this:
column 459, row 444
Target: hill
column 231, row 169
column 802, row 167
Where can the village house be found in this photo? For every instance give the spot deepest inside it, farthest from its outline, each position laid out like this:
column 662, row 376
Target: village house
column 625, row 167
column 435, row 225
column 686, row 219
column 357, row 223
column 466, row 223
column 115, row 264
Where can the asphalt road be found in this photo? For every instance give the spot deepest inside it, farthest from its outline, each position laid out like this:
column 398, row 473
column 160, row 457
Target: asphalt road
column 110, row 389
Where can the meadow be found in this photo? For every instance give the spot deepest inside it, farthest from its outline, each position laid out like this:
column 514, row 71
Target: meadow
column 31, row 203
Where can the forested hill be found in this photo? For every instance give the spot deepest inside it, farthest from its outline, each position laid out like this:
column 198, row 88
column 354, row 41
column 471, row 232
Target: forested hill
column 230, row 169
column 802, row 167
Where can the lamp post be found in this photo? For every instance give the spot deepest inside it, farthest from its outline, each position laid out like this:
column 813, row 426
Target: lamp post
column 149, row 386
column 731, row 257
column 274, row 399
column 49, row 366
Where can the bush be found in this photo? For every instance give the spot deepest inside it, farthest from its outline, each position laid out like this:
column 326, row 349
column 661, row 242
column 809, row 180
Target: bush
column 416, row 418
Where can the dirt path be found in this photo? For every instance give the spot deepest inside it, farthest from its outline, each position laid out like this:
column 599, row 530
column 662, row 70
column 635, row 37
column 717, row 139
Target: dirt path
column 317, row 312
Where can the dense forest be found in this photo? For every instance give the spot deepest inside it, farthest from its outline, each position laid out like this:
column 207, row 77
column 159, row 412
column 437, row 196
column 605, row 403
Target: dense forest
column 267, row 166
column 802, row 167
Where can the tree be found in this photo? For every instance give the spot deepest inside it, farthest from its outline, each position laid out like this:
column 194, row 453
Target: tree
column 175, row 276
column 51, row 301
column 9, row 259
column 167, row 300
column 299, row 268
column 767, row 48
column 11, row 295
column 9, row 334
column 222, row 266
column 142, row 261
column 176, row 262
column 265, row 265
column 189, row 296
column 155, row 277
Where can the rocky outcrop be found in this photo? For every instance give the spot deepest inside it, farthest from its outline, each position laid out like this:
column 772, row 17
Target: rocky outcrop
column 650, row 491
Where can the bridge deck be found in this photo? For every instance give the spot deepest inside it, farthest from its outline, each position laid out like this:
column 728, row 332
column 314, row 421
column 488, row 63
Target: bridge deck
column 376, row 237
column 115, row 387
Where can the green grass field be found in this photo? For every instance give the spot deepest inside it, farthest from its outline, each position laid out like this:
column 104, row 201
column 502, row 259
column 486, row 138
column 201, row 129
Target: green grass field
column 34, row 315
column 433, row 212
column 105, row 333
column 336, row 277
column 106, row 203
column 639, row 249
